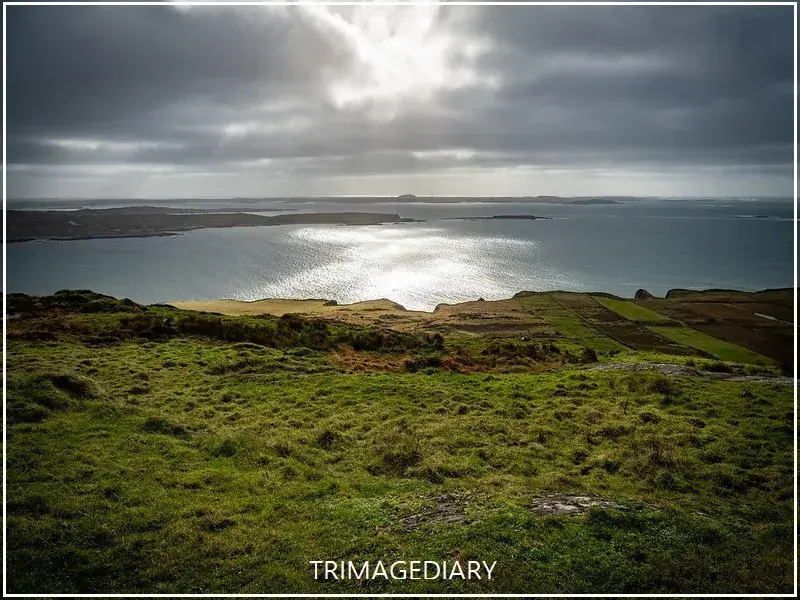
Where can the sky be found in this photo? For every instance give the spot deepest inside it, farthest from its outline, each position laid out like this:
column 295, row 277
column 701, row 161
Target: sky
column 275, row 101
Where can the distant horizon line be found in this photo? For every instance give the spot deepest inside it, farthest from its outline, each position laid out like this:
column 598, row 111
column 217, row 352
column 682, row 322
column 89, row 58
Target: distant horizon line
column 378, row 196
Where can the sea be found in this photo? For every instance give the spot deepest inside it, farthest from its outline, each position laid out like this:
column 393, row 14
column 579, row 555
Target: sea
column 448, row 256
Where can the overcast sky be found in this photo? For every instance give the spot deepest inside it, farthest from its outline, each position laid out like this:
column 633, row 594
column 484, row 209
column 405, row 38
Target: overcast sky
column 447, row 100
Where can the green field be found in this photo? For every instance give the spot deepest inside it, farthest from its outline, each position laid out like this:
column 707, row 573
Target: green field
column 630, row 310
column 721, row 349
column 572, row 327
column 155, row 450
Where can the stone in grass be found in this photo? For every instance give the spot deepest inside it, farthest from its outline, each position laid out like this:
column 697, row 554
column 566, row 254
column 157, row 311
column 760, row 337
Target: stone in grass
column 446, row 508
column 569, row 504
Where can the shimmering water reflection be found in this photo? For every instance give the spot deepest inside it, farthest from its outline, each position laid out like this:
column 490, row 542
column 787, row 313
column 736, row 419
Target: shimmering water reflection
column 616, row 248
column 415, row 266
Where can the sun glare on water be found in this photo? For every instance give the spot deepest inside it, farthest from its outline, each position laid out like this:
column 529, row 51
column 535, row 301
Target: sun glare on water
column 418, row 269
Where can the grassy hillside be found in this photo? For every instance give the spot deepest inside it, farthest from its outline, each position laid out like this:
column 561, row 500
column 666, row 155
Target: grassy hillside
column 154, row 449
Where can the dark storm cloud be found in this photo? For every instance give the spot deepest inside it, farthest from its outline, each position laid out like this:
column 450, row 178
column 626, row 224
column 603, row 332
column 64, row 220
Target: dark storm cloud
column 673, row 79
column 225, row 89
column 70, row 68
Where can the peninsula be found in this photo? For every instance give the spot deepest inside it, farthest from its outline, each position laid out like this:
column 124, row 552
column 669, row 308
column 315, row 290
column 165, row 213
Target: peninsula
column 150, row 221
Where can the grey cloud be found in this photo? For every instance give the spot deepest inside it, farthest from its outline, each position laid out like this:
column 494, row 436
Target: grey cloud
column 578, row 87
column 729, row 68
column 74, row 67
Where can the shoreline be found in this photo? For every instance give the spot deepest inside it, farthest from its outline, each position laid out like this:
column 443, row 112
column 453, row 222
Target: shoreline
column 25, row 226
column 280, row 306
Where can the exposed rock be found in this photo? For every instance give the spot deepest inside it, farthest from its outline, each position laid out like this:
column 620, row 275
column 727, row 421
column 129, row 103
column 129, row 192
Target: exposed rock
column 447, row 508
column 567, row 504
column 685, row 371
column 666, row 369
column 642, row 295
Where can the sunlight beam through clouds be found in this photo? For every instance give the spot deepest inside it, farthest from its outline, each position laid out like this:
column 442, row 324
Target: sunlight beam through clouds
column 293, row 100
column 402, row 58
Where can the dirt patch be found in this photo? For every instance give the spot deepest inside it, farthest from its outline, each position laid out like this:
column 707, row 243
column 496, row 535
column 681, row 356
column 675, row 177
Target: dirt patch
column 588, row 309
column 567, row 504
column 445, row 508
column 684, row 371
column 674, row 310
column 575, row 300
column 722, row 310
column 666, row 369
column 711, row 295
column 756, row 379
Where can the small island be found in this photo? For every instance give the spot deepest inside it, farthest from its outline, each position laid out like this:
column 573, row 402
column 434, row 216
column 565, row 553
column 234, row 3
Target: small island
column 496, row 217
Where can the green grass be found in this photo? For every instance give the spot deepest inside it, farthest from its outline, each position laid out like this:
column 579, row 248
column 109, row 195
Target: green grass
column 195, row 464
column 573, row 327
column 721, row 349
column 630, row 310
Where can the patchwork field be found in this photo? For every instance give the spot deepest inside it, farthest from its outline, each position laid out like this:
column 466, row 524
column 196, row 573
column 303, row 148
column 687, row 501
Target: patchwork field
column 601, row 320
column 711, row 345
column 162, row 450
column 630, row 310
column 760, row 321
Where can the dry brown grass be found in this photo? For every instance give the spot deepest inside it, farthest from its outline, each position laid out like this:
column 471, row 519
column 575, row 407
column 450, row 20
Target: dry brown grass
column 279, row 307
column 356, row 362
